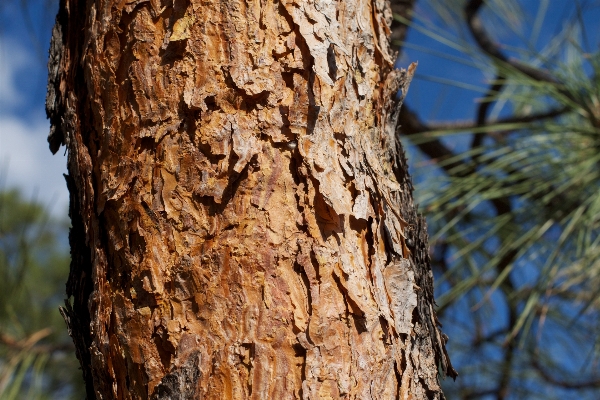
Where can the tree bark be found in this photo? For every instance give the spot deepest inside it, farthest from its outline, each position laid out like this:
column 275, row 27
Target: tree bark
column 243, row 222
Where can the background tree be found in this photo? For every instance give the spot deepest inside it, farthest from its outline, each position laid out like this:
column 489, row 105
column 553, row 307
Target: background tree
column 35, row 352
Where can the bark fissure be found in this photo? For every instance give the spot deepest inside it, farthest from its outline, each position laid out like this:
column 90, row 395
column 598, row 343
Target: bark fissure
column 244, row 200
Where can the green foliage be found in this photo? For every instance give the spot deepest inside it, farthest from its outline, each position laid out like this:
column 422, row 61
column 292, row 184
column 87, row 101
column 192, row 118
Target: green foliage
column 515, row 220
column 37, row 359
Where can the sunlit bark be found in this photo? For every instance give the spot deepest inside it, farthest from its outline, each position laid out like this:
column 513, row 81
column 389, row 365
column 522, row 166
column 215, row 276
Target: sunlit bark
column 243, row 224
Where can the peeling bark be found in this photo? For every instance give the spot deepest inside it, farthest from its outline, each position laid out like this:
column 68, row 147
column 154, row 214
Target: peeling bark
column 243, row 222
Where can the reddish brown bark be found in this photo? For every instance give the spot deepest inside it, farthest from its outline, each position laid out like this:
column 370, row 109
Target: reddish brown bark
column 243, row 224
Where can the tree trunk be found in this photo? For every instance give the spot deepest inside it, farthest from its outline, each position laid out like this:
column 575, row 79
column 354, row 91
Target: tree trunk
column 243, row 223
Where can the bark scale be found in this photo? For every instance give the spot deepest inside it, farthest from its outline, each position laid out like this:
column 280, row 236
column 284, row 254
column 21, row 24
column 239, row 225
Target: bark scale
column 243, row 223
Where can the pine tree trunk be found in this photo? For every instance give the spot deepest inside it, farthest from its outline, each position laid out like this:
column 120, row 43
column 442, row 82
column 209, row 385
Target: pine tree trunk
column 243, row 223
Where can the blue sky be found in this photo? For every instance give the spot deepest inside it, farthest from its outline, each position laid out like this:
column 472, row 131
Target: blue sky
column 25, row 161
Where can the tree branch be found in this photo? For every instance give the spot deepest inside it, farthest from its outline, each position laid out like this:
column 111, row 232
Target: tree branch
column 483, row 108
column 410, row 124
column 561, row 382
column 468, row 125
column 487, row 45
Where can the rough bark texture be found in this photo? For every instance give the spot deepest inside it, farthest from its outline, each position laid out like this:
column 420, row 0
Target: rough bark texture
column 243, row 223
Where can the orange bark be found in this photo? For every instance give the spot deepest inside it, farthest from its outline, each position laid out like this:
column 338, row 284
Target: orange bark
column 240, row 202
